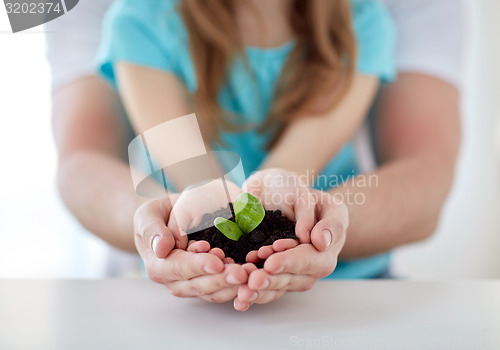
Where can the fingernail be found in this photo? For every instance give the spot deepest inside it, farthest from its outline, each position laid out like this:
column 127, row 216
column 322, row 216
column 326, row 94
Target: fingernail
column 327, row 237
column 254, row 296
column 280, row 269
column 209, row 270
column 156, row 239
column 265, row 285
column 231, row 279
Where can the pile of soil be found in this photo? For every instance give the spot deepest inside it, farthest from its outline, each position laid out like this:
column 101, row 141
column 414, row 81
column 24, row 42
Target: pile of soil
column 274, row 226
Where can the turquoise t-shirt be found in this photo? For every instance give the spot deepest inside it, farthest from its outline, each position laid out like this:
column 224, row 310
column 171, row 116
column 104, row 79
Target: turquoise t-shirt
column 152, row 34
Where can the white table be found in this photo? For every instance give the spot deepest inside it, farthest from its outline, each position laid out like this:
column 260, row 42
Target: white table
column 137, row 314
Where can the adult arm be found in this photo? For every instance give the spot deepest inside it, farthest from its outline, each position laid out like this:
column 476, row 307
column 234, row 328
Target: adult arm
column 91, row 136
column 93, row 175
column 417, row 137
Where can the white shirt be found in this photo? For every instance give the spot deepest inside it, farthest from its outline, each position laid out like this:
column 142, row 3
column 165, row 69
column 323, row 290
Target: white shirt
column 430, row 39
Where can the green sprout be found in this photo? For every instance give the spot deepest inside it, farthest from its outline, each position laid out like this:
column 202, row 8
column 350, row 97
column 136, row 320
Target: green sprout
column 248, row 213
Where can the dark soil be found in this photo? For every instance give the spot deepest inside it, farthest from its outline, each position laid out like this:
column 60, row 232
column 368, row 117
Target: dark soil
column 274, row 226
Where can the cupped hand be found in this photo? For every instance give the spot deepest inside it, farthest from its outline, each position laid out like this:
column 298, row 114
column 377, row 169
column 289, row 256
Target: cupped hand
column 298, row 268
column 193, row 203
column 278, row 189
column 186, row 273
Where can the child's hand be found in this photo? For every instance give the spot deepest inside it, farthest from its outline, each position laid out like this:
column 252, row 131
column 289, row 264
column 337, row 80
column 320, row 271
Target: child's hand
column 280, row 189
column 192, row 204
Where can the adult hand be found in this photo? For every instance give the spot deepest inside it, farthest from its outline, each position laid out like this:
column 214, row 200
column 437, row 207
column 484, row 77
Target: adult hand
column 298, row 268
column 284, row 190
column 184, row 273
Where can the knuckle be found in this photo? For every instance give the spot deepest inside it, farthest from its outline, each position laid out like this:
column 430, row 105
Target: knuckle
column 307, row 286
column 195, row 290
column 220, row 283
column 153, row 275
column 213, row 298
column 337, row 227
column 145, row 207
column 149, row 227
column 209, row 298
column 328, row 269
column 288, row 282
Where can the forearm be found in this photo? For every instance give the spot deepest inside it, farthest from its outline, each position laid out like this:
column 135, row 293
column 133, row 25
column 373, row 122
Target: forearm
column 98, row 190
column 93, row 176
column 417, row 132
column 381, row 217
column 309, row 143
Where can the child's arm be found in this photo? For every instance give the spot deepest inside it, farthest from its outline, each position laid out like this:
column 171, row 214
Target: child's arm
column 152, row 97
column 308, row 144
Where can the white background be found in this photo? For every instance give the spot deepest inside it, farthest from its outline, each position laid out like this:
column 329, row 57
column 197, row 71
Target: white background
column 38, row 237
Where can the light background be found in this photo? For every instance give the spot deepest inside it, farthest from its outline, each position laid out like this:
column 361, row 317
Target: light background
column 40, row 239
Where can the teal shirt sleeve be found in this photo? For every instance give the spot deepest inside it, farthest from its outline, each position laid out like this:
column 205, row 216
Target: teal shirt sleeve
column 376, row 36
column 132, row 32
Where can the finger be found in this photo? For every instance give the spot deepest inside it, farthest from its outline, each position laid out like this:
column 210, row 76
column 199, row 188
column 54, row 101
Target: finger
column 228, row 261
column 265, row 252
column 302, row 260
column 217, row 252
column 269, row 296
column 261, row 280
column 240, row 305
column 198, row 247
column 150, row 227
column 221, row 296
column 249, row 268
column 181, row 265
column 253, row 257
column 249, row 296
column 330, row 230
column 208, row 284
column 284, row 244
column 304, row 215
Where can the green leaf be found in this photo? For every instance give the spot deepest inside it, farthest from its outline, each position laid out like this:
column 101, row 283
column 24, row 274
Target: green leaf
column 228, row 228
column 248, row 211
